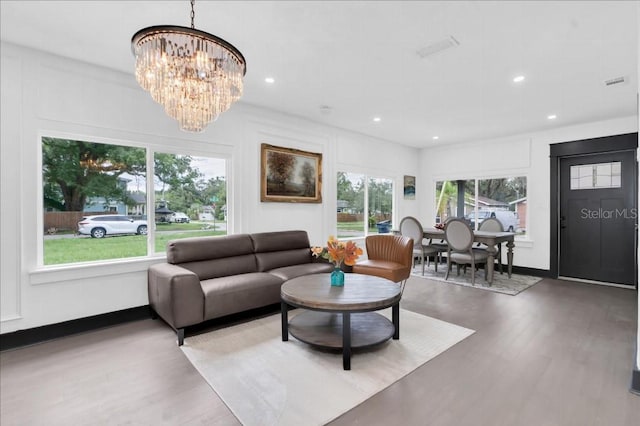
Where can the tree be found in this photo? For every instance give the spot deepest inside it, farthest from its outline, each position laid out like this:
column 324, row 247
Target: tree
column 308, row 179
column 175, row 171
column 280, row 166
column 74, row 170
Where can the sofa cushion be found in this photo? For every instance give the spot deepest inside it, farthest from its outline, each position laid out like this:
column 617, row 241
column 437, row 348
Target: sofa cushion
column 291, row 272
column 278, row 249
column 215, row 268
column 279, row 259
column 194, row 249
column 279, row 241
column 236, row 293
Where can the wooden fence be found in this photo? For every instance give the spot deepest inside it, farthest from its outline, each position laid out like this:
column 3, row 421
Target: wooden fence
column 359, row 217
column 59, row 221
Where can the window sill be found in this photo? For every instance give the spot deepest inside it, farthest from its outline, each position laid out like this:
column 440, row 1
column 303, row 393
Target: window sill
column 54, row 274
column 523, row 242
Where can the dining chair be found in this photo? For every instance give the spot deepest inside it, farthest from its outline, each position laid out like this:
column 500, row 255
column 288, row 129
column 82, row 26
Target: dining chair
column 459, row 236
column 411, row 227
column 492, row 224
column 441, row 243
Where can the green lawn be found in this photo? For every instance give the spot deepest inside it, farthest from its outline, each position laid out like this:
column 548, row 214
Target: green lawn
column 83, row 249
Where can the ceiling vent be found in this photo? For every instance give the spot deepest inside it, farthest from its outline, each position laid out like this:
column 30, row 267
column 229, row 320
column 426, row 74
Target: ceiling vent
column 617, row 80
column 438, row 46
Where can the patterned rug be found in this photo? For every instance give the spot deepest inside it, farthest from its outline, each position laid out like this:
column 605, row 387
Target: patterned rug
column 501, row 282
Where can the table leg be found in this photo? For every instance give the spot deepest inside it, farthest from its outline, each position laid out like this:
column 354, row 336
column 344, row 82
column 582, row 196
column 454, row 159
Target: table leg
column 395, row 316
column 284, row 308
column 510, row 246
column 491, row 251
column 346, row 341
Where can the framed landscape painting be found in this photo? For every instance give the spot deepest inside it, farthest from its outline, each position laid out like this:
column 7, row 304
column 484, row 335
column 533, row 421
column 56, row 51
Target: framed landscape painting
column 409, row 187
column 290, row 175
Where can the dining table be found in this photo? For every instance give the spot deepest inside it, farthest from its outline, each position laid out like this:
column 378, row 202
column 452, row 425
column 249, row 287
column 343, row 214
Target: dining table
column 490, row 239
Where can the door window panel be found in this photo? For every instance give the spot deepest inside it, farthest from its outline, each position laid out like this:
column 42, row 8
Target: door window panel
column 596, row 176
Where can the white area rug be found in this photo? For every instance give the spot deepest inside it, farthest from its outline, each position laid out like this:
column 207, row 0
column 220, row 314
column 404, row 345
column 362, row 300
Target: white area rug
column 265, row 381
column 501, row 282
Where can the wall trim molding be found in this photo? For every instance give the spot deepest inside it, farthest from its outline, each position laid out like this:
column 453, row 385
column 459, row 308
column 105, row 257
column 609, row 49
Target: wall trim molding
column 44, row 333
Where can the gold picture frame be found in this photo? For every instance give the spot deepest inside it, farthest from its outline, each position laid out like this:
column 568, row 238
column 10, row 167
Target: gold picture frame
column 290, row 175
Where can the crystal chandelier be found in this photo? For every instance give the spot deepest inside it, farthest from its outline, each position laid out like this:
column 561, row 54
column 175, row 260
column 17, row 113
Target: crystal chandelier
column 196, row 76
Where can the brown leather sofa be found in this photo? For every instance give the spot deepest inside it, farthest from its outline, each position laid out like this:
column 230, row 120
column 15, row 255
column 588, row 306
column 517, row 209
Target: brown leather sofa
column 210, row 277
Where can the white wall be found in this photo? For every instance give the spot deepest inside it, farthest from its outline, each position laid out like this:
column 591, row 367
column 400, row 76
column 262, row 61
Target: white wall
column 519, row 155
column 49, row 95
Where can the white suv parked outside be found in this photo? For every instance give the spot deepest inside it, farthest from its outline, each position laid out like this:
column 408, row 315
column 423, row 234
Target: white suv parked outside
column 112, row 224
column 507, row 218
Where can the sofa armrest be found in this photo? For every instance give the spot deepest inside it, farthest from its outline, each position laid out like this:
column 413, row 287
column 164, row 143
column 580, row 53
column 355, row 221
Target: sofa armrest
column 175, row 294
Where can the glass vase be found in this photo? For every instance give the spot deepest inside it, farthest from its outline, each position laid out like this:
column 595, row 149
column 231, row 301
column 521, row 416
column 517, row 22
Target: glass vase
column 337, row 277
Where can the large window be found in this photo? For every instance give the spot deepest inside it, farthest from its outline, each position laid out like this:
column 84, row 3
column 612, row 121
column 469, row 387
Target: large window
column 96, row 207
column 502, row 198
column 364, row 205
column 191, row 197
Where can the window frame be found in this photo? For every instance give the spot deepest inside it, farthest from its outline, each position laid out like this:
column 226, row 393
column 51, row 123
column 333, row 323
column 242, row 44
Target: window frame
column 43, row 274
column 367, row 176
column 526, row 237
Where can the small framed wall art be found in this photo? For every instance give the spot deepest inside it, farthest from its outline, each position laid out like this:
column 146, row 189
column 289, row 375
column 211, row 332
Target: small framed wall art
column 290, row 175
column 409, row 187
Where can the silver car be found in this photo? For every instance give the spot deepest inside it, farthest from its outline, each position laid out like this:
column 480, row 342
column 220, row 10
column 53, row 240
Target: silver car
column 112, row 224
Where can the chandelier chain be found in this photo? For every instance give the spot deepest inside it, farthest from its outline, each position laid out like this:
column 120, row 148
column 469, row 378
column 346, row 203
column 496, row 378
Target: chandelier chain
column 193, row 14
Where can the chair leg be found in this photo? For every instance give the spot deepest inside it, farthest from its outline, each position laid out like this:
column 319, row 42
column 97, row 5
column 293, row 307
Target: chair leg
column 436, row 260
column 446, row 276
column 473, row 272
column 422, row 261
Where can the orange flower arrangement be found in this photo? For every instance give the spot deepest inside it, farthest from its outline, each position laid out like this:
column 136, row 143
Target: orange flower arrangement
column 338, row 252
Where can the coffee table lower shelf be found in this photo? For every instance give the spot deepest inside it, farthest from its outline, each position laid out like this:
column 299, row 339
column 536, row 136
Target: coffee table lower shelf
column 324, row 329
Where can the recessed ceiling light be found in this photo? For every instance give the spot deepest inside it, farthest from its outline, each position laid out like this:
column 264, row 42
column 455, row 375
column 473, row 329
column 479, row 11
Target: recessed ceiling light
column 518, row 79
column 376, row 119
column 435, row 138
column 270, row 80
column 552, row 116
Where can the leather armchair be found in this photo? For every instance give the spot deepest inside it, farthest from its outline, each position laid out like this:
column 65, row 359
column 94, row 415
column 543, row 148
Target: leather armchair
column 389, row 256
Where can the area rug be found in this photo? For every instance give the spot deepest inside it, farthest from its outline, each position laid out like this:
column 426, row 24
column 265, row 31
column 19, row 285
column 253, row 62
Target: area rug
column 501, row 282
column 265, row 381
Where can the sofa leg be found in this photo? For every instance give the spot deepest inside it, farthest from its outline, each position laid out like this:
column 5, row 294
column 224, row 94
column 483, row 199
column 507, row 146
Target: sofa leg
column 154, row 315
column 180, row 332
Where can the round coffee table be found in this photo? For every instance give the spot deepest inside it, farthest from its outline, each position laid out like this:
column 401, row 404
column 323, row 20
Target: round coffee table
column 341, row 317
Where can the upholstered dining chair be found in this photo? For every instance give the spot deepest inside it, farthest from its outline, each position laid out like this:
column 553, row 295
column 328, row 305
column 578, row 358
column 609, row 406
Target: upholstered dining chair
column 492, row 224
column 441, row 244
column 411, row 227
column 459, row 236
column 389, row 256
